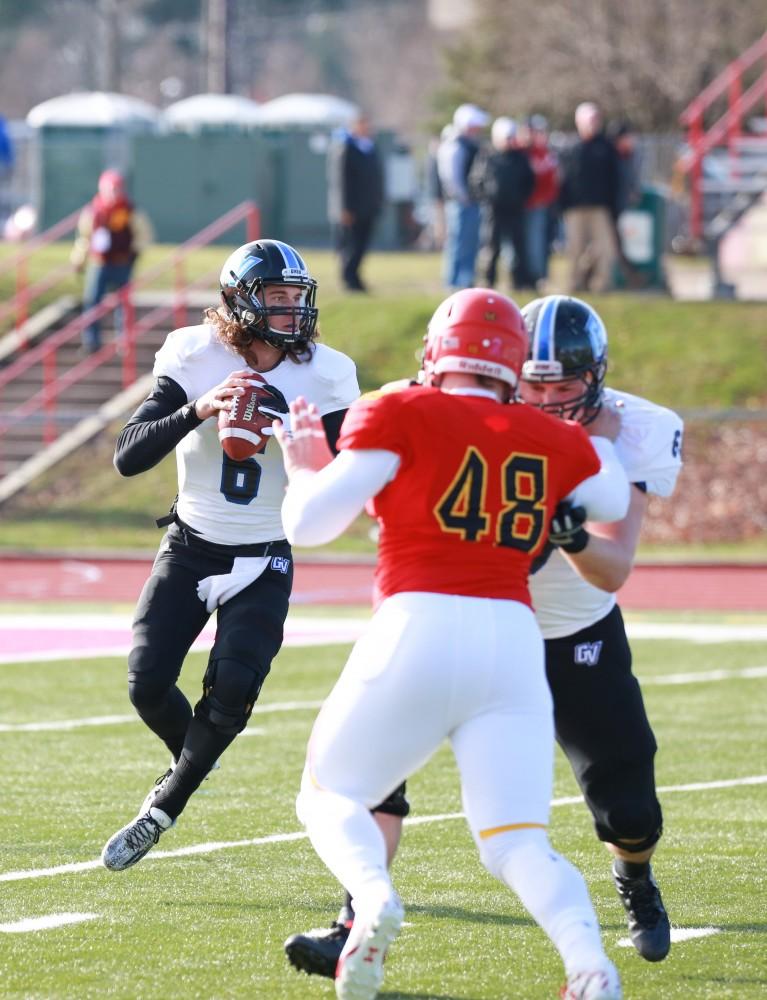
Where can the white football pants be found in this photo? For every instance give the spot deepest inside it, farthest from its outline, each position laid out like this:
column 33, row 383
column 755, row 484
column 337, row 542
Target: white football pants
column 436, row 666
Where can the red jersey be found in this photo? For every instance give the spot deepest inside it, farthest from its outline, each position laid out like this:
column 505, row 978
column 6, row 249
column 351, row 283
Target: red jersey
column 546, row 170
column 478, row 482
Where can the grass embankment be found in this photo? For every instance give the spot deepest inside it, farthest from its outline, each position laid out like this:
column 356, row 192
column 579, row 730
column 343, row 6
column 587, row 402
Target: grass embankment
column 689, row 356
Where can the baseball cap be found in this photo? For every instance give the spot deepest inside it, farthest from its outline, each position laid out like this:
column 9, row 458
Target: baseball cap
column 470, row 116
column 503, row 129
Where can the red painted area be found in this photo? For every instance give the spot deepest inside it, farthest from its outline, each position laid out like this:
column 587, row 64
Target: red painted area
column 715, row 587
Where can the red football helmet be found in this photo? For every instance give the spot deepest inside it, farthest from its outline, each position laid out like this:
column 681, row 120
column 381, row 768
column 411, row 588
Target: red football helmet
column 477, row 331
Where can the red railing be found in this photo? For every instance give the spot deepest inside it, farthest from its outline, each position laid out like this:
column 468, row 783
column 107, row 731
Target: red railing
column 45, row 354
column 728, row 128
column 25, row 293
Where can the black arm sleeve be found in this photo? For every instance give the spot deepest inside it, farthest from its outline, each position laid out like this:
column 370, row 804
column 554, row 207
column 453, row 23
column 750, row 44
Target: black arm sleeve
column 332, row 424
column 155, row 428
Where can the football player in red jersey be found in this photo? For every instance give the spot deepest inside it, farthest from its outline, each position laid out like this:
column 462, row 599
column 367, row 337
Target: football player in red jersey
column 225, row 550
column 463, row 482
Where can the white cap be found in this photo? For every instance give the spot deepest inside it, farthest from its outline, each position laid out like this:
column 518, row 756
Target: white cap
column 468, row 116
column 503, row 129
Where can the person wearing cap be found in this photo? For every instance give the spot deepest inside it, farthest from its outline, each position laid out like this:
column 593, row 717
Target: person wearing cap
column 588, row 199
column 455, row 157
column 540, row 208
column 503, row 179
column 111, row 233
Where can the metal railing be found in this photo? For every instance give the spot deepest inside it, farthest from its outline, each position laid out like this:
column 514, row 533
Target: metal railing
column 45, row 355
column 728, row 129
column 24, row 294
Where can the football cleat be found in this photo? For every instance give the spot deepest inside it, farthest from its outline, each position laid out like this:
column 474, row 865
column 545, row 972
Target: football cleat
column 359, row 973
column 317, row 951
column 648, row 922
column 155, row 790
column 596, row 984
column 130, row 844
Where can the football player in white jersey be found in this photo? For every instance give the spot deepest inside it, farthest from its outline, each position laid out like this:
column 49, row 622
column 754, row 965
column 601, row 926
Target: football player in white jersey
column 225, row 548
column 599, row 714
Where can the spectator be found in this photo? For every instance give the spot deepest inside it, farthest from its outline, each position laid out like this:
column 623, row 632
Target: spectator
column 355, row 197
column 629, row 189
column 434, row 231
column 7, row 161
column 503, row 180
column 541, row 205
column 462, row 214
column 629, row 165
column 589, row 202
column 111, row 233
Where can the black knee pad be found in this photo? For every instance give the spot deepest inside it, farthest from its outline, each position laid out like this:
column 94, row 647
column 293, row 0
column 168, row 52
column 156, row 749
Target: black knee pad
column 230, row 690
column 633, row 826
column 395, row 804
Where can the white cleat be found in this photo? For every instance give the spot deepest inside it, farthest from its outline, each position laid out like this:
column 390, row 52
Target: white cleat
column 599, row 984
column 130, row 844
column 359, row 973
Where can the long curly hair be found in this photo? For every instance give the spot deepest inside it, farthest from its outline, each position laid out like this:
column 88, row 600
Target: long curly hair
column 239, row 338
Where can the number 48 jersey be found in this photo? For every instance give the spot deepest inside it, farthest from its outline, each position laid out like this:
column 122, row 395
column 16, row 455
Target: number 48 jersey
column 649, row 447
column 474, row 493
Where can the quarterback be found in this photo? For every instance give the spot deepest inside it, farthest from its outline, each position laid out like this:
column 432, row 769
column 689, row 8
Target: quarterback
column 225, row 548
column 463, row 482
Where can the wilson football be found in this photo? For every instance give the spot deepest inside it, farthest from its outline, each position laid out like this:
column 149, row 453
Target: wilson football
column 244, row 430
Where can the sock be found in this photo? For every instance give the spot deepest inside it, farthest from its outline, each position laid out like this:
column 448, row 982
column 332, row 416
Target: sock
column 202, row 748
column 631, row 869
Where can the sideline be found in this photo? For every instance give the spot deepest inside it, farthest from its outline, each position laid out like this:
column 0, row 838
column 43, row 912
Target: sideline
column 43, row 638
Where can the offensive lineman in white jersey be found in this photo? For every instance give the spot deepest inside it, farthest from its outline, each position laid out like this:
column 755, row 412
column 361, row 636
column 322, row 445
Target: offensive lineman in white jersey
column 225, row 548
column 599, row 714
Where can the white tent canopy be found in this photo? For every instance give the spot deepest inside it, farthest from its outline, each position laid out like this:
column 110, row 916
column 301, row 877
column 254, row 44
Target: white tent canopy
column 308, row 109
column 96, row 109
column 212, row 109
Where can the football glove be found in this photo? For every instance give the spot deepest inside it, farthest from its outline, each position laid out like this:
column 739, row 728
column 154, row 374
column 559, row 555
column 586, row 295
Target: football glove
column 566, row 530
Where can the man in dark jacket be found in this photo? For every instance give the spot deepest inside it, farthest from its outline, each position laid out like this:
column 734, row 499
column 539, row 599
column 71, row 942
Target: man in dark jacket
column 355, row 197
column 503, row 179
column 589, row 203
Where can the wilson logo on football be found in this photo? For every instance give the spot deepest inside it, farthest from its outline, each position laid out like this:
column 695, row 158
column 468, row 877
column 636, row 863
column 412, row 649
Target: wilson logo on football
column 245, row 429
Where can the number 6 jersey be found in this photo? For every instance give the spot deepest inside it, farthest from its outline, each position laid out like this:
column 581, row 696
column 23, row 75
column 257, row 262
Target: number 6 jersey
column 238, row 503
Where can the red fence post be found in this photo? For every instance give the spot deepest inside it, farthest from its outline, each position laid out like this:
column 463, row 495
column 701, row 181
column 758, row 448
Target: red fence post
column 129, row 337
column 49, row 397
column 179, row 298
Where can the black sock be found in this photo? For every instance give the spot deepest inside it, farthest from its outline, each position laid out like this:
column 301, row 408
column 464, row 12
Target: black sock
column 631, row 869
column 202, row 748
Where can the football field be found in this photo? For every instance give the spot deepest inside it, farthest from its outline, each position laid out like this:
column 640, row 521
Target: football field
column 206, row 913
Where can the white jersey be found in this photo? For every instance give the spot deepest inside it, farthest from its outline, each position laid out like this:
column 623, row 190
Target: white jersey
column 220, row 499
column 649, row 447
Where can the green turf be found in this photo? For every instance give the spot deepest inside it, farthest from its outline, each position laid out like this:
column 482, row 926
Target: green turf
column 211, row 925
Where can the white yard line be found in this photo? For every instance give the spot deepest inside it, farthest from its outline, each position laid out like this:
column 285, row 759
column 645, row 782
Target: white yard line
column 699, row 677
column 280, row 838
column 45, row 923
column 679, row 934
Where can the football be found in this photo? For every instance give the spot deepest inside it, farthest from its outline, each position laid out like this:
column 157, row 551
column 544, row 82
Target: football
column 244, row 430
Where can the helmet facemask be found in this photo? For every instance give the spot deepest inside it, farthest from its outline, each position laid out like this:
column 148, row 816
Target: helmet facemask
column 583, row 405
column 246, row 303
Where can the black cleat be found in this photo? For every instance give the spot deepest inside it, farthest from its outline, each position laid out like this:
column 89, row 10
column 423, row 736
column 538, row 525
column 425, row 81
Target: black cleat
column 649, row 927
column 317, row 952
